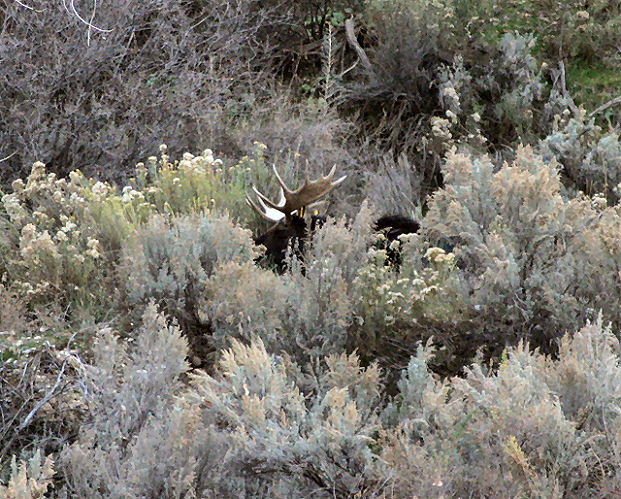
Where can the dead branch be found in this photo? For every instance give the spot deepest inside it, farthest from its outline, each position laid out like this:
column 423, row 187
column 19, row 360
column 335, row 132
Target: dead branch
column 603, row 107
column 351, row 38
column 566, row 94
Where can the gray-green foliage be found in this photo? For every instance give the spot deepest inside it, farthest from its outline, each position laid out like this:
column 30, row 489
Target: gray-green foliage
column 262, row 425
column 316, row 442
column 531, row 429
column 590, row 159
column 344, row 295
column 516, row 237
column 306, row 312
column 30, row 480
column 130, row 397
column 172, row 260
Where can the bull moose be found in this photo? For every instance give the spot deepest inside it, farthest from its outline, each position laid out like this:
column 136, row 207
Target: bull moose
column 289, row 224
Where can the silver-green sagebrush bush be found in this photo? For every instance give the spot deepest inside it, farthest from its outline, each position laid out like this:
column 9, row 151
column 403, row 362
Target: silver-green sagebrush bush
column 314, row 441
column 590, row 158
column 306, row 312
column 262, row 425
column 319, row 384
column 343, row 295
column 171, row 260
column 304, row 316
column 30, row 480
column 599, row 257
column 516, row 237
column 514, row 432
column 130, row 394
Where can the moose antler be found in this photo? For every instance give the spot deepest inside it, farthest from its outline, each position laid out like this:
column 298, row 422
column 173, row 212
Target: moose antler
column 270, row 214
column 291, row 201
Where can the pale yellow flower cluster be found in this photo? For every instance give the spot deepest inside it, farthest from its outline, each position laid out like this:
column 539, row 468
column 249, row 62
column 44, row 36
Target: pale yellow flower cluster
column 130, row 194
column 441, row 127
column 37, row 172
column 439, row 256
column 583, row 14
column 599, row 202
column 189, row 162
column 93, row 248
column 14, row 209
column 451, row 97
column 34, row 244
column 404, row 296
column 76, row 200
column 28, row 289
column 46, row 213
column 101, row 190
column 46, row 194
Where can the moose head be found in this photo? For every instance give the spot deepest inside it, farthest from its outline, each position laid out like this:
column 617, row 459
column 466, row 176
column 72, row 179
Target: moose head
column 287, row 214
column 290, row 228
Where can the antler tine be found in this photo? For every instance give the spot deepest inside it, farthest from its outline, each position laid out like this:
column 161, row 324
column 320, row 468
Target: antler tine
column 331, row 174
column 291, row 201
column 253, row 205
column 311, row 191
column 280, row 180
column 269, row 214
column 266, row 201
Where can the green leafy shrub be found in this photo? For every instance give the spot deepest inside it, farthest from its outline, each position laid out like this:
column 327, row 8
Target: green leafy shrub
column 63, row 237
column 587, row 30
column 197, row 183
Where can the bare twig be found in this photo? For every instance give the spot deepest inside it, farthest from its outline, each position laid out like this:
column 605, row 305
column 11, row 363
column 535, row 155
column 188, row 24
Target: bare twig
column 566, row 94
column 51, row 393
column 351, row 38
column 8, row 157
column 48, row 396
column 24, row 5
column 90, row 23
column 72, row 10
column 603, row 107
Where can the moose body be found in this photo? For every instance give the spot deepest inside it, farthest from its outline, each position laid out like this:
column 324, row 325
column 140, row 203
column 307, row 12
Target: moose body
column 290, row 228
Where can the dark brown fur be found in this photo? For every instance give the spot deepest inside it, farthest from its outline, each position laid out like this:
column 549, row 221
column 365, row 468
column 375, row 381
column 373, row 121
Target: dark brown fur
column 293, row 232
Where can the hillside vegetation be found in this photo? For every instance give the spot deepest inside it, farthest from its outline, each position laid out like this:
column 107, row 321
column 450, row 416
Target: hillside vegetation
column 144, row 350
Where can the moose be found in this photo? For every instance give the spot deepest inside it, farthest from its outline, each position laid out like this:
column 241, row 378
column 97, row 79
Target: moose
column 290, row 227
